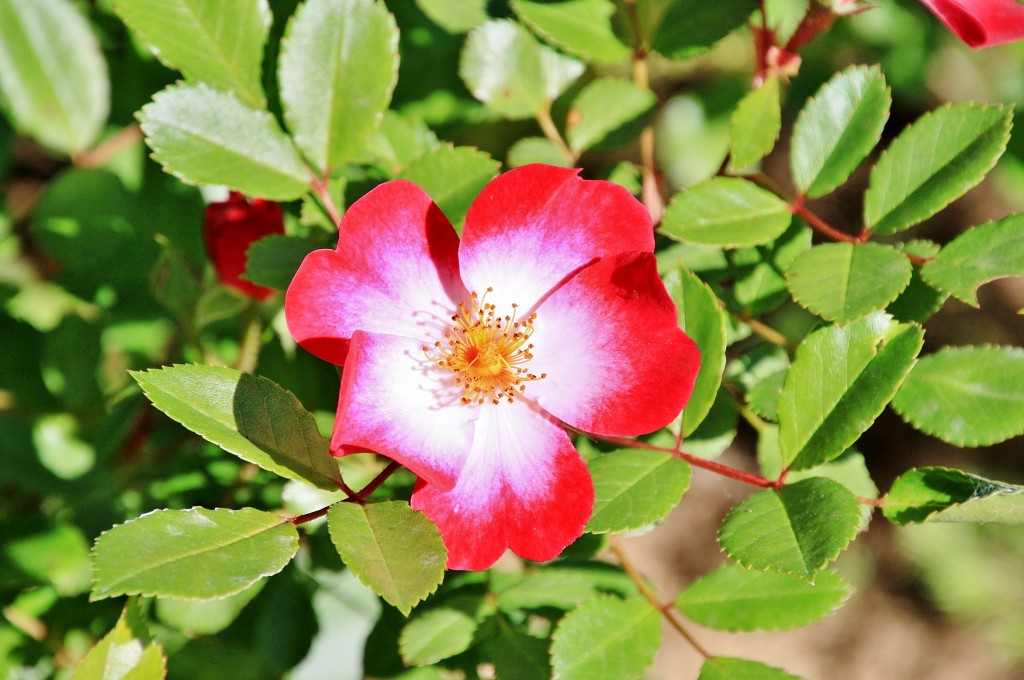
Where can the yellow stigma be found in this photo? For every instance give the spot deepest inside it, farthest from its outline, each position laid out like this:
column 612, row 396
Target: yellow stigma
column 487, row 352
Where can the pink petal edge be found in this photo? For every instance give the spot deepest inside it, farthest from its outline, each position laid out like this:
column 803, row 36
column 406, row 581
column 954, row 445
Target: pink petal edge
column 981, row 23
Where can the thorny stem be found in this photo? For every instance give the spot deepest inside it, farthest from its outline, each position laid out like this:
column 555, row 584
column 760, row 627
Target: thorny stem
column 547, row 125
column 665, row 608
column 353, row 496
column 320, row 188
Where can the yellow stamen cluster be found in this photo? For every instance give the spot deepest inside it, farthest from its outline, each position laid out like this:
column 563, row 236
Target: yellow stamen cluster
column 486, row 352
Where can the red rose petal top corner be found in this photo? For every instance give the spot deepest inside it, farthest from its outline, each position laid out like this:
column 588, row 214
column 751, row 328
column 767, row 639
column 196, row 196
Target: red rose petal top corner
column 463, row 359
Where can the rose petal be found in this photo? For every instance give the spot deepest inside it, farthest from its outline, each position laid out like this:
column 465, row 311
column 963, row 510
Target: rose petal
column 981, row 23
column 396, row 402
column 523, row 487
column 395, row 271
column 534, row 225
column 609, row 341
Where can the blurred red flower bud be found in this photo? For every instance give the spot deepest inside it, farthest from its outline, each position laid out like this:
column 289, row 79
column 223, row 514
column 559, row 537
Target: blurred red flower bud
column 229, row 228
column 981, row 23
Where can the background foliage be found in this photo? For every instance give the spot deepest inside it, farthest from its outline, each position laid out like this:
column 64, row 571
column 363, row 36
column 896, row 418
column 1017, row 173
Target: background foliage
column 812, row 231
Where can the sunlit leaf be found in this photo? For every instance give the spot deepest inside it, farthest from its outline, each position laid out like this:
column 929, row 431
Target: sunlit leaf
column 838, row 128
column 205, row 617
column 635, row 488
column 755, row 125
column 603, row 106
column 735, row 598
column 726, row 211
column 794, row 530
column 123, row 654
column 606, row 638
column 452, row 176
column 218, row 43
column 394, row 550
column 580, row 27
column 436, row 635
column 933, row 162
column 162, row 552
column 968, row 396
column 338, row 67
column 729, row 668
column 934, row 494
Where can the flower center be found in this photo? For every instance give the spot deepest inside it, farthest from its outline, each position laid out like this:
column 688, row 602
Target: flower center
column 488, row 353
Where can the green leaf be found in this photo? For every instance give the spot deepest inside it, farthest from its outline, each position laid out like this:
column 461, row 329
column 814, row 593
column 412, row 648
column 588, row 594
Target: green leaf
column 517, row 654
column 455, row 16
column 933, row 162
column 602, row 107
column 205, row 617
column 838, row 128
column 761, row 373
column 702, row 317
column 968, row 396
column 122, row 655
column 438, row 634
column 535, row 150
column 726, row 211
column 733, row 598
column 273, row 260
column 394, row 550
column 205, row 136
column 689, row 27
column 397, row 142
column 53, row 77
column 981, row 254
column 759, row 271
column 452, row 176
column 635, row 488
column 174, row 282
column 935, row 494
column 755, row 125
column 844, row 281
column 218, row 43
column 849, row 469
column 795, row 530
column 919, row 300
column 507, row 69
column 161, row 553
column 840, row 380
column 606, row 638
column 564, row 587
column 729, row 668
column 253, row 418
column 338, row 67
column 580, row 27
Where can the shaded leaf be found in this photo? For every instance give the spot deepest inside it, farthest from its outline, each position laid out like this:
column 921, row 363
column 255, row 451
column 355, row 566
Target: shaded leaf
column 452, row 176
column 968, row 396
column 755, row 125
column 435, row 635
column 635, row 488
column 734, row 598
column 205, row 617
column 273, row 260
column 702, row 317
column 838, row 128
column 795, row 530
column 535, row 150
column 52, row 74
column 933, row 162
column 564, row 587
column 338, row 67
column 981, row 254
column 844, row 281
column 726, row 211
column 606, row 638
column 729, row 668
column 507, row 69
column 205, row 136
column 161, row 552
column 935, row 494
column 602, row 107
column 394, row 550
column 689, row 27
column 840, row 380
column 218, row 43
column 251, row 417
column 580, row 27
column 919, row 300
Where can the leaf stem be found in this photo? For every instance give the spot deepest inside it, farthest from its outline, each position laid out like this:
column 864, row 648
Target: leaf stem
column 353, row 496
column 798, row 208
column 547, row 125
column 666, row 608
column 320, row 188
column 766, row 332
column 98, row 155
column 391, row 469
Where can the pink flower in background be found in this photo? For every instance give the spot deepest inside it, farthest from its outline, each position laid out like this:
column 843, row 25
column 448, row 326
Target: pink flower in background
column 229, row 228
column 981, row 23
column 463, row 359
